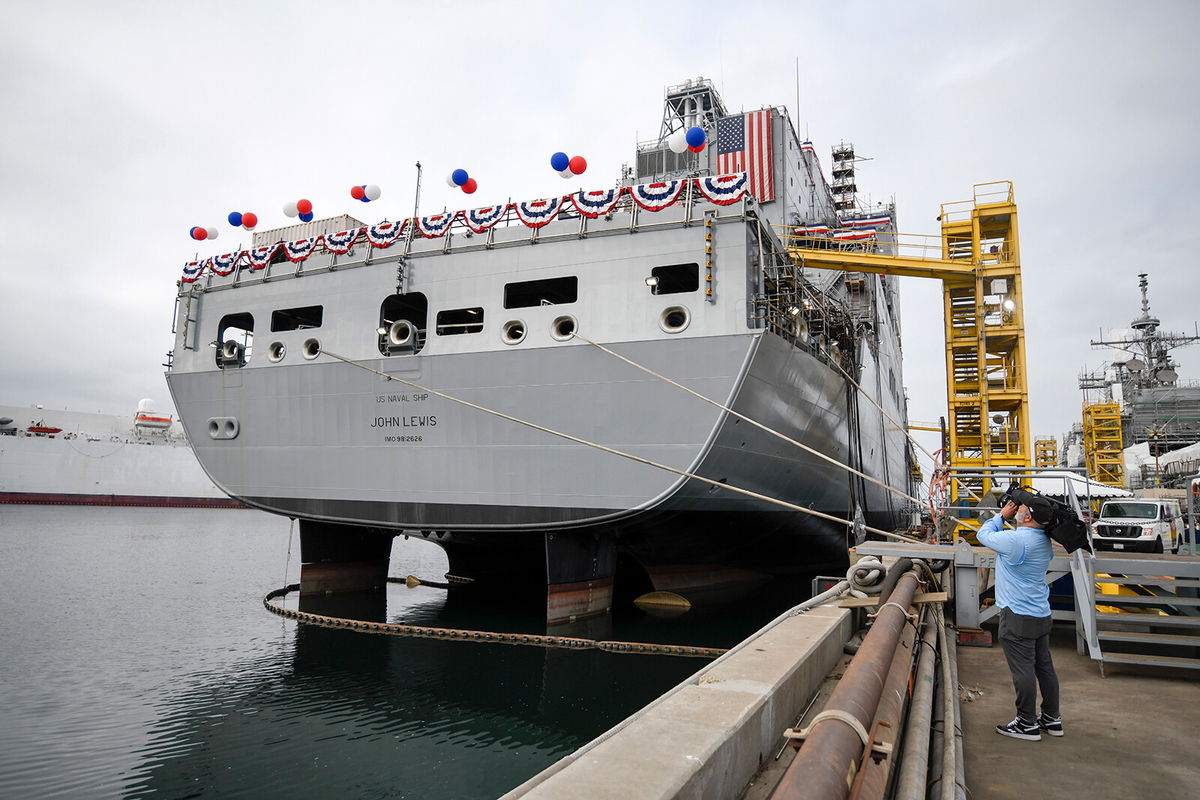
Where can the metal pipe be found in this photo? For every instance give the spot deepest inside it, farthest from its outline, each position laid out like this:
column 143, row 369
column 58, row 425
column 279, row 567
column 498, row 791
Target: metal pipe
column 949, row 720
column 828, row 761
column 914, row 766
column 883, row 749
column 960, row 773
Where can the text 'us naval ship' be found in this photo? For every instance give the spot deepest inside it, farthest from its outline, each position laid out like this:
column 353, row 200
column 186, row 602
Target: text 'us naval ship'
column 325, row 374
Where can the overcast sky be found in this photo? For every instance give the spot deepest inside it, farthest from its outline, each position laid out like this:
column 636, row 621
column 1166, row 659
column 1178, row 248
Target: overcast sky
column 126, row 123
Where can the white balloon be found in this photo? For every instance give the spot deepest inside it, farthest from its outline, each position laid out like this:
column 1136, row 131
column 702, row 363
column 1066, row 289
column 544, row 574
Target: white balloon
column 289, row 209
column 677, row 141
column 372, row 192
column 212, row 232
column 247, row 227
column 567, row 174
column 450, row 180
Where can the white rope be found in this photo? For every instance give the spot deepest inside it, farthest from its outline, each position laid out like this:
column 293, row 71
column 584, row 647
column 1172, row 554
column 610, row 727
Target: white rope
column 755, row 423
column 630, row 456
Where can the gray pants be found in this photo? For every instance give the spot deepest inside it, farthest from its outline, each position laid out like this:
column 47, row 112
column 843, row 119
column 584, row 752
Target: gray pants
column 1026, row 643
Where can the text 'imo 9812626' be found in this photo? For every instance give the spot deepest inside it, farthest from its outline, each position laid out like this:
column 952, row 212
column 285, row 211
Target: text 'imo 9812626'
column 545, row 388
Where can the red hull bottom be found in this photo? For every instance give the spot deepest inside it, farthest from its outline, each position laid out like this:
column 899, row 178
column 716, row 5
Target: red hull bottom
column 30, row 498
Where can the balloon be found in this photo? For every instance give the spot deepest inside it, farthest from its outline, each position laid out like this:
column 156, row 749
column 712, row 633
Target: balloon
column 198, row 233
column 249, row 220
column 304, row 206
column 306, row 217
column 211, row 233
column 696, row 149
column 677, row 141
column 559, row 162
column 235, row 218
column 450, row 180
column 365, row 199
column 247, row 227
column 566, row 173
column 459, row 176
column 357, row 192
column 470, row 186
column 578, row 164
column 290, row 210
column 372, row 191
column 695, row 136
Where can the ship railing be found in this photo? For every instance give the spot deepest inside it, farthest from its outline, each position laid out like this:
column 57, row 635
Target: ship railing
column 460, row 236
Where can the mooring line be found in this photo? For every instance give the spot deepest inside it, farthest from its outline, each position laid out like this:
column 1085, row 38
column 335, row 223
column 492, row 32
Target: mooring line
column 753, row 422
column 630, row 456
column 466, row 635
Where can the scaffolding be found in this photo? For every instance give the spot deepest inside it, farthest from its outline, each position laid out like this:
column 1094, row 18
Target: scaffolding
column 1045, row 451
column 1103, row 446
column 977, row 258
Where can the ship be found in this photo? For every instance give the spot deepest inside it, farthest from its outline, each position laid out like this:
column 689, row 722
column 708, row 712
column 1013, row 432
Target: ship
column 62, row 457
column 323, row 373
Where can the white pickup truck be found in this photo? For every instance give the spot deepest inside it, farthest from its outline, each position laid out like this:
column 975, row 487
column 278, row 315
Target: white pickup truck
column 1151, row 526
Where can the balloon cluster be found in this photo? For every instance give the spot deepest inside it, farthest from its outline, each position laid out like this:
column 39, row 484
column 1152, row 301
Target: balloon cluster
column 459, row 179
column 200, row 233
column 246, row 219
column 568, row 166
column 692, row 139
column 300, row 208
column 367, row 192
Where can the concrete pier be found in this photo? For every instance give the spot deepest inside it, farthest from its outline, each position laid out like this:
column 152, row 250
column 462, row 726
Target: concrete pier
column 708, row 737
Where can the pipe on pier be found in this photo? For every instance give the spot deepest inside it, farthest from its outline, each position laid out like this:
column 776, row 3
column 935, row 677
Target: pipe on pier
column 914, row 766
column 828, row 762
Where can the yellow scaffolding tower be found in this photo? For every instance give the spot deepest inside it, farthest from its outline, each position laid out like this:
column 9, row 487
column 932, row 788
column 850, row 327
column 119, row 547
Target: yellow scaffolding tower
column 1045, row 452
column 1103, row 445
column 977, row 258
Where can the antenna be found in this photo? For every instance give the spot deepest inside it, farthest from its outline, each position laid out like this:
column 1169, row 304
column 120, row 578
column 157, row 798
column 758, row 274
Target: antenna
column 417, row 201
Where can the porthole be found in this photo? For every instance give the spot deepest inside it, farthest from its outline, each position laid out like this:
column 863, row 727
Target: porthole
column 214, row 428
column 312, row 349
column 513, row 332
column 674, row 319
column 563, row 328
column 276, row 352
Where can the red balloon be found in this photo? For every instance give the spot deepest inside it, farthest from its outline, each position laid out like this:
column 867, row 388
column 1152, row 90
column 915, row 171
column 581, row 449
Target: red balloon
column 199, row 234
column 249, row 219
column 577, row 165
column 304, row 206
column 696, row 149
column 357, row 192
column 470, row 186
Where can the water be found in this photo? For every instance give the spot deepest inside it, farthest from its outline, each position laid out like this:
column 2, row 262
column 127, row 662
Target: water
column 138, row 661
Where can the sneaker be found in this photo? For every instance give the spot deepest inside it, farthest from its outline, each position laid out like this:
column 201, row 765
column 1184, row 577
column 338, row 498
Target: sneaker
column 1050, row 725
column 1020, row 730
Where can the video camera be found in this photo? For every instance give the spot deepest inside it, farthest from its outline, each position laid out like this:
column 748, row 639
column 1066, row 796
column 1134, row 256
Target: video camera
column 1058, row 520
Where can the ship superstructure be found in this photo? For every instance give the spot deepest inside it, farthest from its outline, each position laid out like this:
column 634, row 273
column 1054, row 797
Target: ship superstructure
column 283, row 353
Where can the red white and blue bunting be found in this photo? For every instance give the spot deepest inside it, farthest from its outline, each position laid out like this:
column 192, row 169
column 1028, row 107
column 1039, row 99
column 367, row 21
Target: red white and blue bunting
column 386, row 234
column 811, row 230
column 436, row 225
column 259, row 257
column 300, row 249
column 867, row 222
column 192, row 270
column 656, row 196
column 340, row 243
column 723, row 190
column 480, row 219
column 537, row 213
column 854, row 235
column 225, row 264
column 595, row 204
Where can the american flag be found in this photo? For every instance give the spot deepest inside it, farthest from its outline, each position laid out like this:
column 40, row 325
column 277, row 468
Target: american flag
column 744, row 145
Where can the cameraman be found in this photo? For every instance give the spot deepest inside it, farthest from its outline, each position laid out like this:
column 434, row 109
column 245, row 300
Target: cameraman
column 1022, row 556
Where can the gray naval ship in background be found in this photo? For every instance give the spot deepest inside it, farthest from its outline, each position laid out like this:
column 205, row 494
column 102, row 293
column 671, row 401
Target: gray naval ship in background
column 677, row 269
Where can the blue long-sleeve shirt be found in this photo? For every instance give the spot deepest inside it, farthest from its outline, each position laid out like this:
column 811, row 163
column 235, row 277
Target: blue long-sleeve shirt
column 1022, row 556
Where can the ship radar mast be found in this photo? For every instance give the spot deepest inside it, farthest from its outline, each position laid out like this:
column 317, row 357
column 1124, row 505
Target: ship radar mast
column 692, row 103
column 1150, row 364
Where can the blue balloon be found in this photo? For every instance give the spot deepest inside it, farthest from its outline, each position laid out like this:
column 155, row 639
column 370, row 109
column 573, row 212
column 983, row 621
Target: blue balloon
column 306, row 217
column 235, row 218
column 695, row 136
column 459, row 176
column 366, row 199
column 559, row 162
